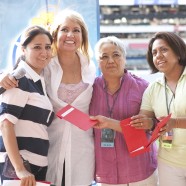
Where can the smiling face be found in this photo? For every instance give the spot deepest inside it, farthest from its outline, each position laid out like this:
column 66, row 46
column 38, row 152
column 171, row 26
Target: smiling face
column 38, row 52
column 112, row 61
column 164, row 58
column 69, row 37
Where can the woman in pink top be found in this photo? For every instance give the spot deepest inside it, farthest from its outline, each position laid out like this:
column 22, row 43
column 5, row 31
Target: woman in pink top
column 117, row 94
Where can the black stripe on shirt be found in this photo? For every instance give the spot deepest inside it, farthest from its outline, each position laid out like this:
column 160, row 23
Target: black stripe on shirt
column 29, row 112
column 36, row 114
column 30, row 86
column 34, row 145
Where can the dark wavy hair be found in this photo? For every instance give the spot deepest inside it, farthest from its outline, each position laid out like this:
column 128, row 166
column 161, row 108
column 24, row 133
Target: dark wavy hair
column 175, row 42
column 33, row 31
column 29, row 35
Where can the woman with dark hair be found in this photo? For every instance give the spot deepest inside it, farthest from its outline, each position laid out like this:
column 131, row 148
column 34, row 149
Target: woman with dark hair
column 167, row 54
column 26, row 112
column 69, row 79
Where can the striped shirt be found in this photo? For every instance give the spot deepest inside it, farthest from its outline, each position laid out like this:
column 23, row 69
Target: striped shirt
column 114, row 165
column 31, row 112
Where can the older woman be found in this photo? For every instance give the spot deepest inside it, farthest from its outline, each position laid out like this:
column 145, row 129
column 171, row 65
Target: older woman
column 117, row 94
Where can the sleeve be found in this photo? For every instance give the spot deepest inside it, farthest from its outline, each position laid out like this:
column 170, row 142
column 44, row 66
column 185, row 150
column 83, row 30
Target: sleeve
column 146, row 103
column 13, row 102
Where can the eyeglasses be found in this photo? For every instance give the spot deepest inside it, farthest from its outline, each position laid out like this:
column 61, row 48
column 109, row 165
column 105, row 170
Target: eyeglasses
column 106, row 58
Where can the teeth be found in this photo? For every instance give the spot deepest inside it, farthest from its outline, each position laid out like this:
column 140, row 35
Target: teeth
column 162, row 62
column 70, row 42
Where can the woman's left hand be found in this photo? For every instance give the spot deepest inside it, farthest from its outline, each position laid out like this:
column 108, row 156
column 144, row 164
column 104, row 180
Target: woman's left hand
column 169, row 125
column 142, row 122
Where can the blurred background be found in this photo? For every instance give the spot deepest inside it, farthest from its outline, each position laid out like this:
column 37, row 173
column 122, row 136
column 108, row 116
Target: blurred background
column 137, row 21
column 134, row 21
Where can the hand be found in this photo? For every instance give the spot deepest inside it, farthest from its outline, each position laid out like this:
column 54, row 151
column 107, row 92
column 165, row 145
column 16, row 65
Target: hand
column 7, row 81
column 142, row 122
column 169, row 125
column 27, row 178
column 102, row 121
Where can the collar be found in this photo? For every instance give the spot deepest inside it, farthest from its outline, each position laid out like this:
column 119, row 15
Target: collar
column 121, row 79
column 29, row 71
column 162, row 79
column 88, row 70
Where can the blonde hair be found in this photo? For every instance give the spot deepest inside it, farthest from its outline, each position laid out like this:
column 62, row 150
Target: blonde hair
column 74, row 16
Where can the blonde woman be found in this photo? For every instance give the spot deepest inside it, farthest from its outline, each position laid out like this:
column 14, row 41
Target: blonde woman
column 69, row 79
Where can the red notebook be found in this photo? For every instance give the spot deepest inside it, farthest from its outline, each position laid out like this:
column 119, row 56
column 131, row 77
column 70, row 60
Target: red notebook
column 136, row 139
column 76, row 117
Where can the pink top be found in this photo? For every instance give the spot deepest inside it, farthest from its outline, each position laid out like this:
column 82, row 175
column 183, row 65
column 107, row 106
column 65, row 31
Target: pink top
column 69, row 92
column 114, row 165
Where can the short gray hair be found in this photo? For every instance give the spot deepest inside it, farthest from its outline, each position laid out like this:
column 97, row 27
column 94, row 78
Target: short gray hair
column 110, row 39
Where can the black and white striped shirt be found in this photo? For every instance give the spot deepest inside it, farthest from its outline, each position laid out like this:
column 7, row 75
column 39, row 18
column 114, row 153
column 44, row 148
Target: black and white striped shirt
column 29, row 109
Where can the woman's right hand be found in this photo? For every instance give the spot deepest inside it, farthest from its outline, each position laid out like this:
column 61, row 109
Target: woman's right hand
column 102, row 122
column 27, row 178
column 7, row 81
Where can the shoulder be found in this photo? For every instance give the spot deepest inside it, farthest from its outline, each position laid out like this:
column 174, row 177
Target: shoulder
column 99, row 82
column 154, row 88
column 52, row 68
column 135, row 80
column 88, row 69
column 54, row 62
column 23, row 83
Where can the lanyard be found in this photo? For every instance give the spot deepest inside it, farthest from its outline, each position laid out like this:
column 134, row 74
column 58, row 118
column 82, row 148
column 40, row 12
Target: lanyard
column 108, row 135
column 166, row 98
column 110, row 109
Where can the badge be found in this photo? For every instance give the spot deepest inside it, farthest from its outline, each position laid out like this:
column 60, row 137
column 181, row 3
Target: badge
column 167, row 140
column 107, row 138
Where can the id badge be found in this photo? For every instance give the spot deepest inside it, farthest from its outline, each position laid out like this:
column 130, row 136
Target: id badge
column 167, row 140
column 107, row 138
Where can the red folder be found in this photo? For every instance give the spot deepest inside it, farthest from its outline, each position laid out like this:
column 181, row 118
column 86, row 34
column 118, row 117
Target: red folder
column 76, row 117
column 18, row 183
column 136, row 139
column 156, row 131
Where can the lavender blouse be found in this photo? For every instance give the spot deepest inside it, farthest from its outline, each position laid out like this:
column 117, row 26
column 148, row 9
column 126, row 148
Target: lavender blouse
column 114, row 165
